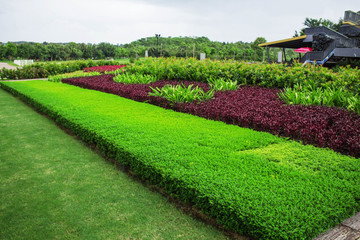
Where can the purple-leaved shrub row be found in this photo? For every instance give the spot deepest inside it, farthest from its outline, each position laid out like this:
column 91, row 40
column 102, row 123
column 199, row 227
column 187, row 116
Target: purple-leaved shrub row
column 137, row 92
column 253, row 107
column 261, row 109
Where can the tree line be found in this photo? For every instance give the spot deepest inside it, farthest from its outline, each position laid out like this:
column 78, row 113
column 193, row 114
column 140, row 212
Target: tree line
column 56, row 51
column 154, row 46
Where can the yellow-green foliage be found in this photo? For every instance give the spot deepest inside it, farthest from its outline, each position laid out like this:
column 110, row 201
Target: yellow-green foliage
column 59, row 77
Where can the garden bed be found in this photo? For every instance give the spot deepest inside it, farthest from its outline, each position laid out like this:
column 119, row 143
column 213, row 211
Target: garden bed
column 252, row 182
column 253, row 107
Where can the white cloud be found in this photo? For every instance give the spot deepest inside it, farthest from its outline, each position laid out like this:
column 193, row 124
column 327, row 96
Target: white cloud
column 122, row 21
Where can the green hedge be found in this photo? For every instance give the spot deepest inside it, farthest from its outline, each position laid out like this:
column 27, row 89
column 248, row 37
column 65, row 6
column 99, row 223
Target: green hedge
column 43, row 70
column 252, row 182
column 59, row 77
column 263, row 74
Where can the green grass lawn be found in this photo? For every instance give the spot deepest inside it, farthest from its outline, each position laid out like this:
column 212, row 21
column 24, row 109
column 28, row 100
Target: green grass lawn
column 54, row 187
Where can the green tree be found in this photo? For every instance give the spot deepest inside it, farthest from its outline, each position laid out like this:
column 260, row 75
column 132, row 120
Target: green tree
column 99, row 54
column 54, row 51
column 11, row 50
column 2, row 50
column 312, row 22
column 258, row 52
column 121, row 52
column 40, row 52
column 24, row 51
column 88, row 51
column 108, row 49
column 74, row 50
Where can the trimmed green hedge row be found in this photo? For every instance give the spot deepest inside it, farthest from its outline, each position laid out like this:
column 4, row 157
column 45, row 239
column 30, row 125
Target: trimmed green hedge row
column 252, row 182
column 43, row 70
column 262, row 74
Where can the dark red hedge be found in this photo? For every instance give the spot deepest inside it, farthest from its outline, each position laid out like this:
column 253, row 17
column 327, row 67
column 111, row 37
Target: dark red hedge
column 253, row 107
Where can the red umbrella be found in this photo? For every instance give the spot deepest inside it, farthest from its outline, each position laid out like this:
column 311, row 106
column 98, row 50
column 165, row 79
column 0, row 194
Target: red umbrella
column 303, row 50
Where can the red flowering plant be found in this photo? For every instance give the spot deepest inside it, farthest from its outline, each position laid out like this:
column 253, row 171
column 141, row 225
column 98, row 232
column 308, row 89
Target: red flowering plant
column 103, row 69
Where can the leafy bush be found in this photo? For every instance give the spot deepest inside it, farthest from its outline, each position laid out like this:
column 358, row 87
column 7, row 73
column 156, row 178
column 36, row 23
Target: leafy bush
column 252, row 182
column 268, row 75
column 43, row 70
column 327, row 96
column 134, row 78
column 180, row 93
column 254, row 107
column 59, row 77
column 117, row 71
column 220, row 84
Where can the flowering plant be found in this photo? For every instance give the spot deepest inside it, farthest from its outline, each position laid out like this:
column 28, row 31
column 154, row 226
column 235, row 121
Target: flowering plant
column 103, row 69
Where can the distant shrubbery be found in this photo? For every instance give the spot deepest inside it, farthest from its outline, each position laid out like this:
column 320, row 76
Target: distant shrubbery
column 43, row 70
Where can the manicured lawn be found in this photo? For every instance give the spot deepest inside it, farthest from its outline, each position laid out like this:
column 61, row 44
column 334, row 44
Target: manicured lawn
column 252, row 182
column 52, row 186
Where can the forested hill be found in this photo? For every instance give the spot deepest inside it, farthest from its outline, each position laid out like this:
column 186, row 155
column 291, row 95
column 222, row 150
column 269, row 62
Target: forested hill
column 190, row 46
column 161, row 46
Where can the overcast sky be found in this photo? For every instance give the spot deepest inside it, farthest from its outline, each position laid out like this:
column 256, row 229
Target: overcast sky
column 123, row 21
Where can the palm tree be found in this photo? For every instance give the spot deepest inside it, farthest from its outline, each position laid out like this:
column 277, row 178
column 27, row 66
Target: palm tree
column 312, row 22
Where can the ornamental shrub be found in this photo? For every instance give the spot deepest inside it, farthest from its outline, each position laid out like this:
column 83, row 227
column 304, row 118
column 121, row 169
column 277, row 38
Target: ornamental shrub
column 262, row 74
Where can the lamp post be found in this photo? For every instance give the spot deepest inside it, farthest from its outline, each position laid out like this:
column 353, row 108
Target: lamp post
column 157, row 43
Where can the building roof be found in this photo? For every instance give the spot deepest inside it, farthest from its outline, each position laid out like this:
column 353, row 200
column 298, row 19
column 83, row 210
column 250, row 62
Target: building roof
column 296, row 42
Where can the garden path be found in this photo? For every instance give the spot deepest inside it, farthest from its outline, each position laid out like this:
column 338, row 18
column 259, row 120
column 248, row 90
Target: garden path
column 347, row 230
column 6, row 65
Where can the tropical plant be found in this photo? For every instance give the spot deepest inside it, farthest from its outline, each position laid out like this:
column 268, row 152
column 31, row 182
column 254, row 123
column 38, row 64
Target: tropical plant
column 220, row 84
column 313, row 22
column 181, row 93
column 134, row 78
column 327, row 96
